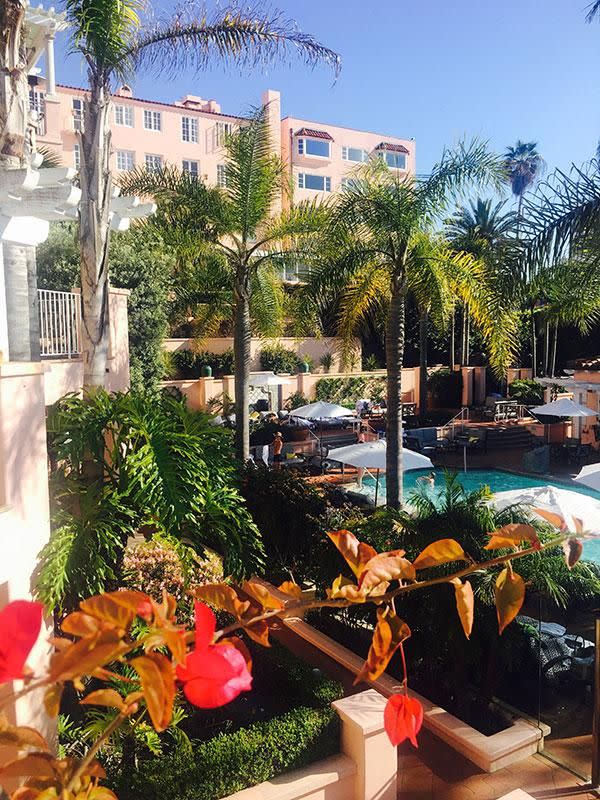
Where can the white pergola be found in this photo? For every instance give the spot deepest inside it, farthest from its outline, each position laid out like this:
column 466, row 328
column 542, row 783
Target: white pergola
column 31, row 198
column 42, row 27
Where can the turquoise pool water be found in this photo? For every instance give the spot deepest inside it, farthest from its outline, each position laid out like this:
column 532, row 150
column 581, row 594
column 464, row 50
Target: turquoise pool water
column 499, row 481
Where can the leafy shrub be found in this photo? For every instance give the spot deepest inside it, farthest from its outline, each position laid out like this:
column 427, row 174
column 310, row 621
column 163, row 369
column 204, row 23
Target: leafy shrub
column 189, row 363
column 346, row 391
column 291, row 516
column 326, row 361
column 278, row 358
column 371, row 363
column 527, row 391
column 131, row 462
column 233, row 761
column 445, row 387
column 296, row 400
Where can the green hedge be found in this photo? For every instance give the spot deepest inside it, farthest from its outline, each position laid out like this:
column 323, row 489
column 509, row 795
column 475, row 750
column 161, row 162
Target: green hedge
column 278, row 358
column 233, row 761
column 346, row 391
column 527, row 391
column 188, row 363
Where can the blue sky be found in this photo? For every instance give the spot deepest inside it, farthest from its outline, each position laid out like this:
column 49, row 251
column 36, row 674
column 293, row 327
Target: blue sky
column 434, row 71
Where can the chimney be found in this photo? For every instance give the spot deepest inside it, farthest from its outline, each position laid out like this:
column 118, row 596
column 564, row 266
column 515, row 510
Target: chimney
column 124, row 91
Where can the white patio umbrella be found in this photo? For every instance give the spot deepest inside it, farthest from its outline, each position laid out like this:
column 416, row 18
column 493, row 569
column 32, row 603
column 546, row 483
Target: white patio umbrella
column 564, row 502
column 321, row 410
column 371, row 455
column 268, row 379
column 565, row 407
column 590, row 476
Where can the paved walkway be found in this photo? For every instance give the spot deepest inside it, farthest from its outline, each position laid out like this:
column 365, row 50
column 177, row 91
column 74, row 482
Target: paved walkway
column 436, row 772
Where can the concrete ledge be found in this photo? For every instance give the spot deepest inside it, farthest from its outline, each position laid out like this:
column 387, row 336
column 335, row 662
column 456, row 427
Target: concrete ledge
column 490, row 753
column 330, row 779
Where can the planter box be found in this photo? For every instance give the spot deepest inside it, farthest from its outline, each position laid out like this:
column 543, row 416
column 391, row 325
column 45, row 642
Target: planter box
column 523, row 738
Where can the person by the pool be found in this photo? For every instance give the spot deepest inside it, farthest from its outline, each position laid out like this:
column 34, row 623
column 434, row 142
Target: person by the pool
column 428, row 480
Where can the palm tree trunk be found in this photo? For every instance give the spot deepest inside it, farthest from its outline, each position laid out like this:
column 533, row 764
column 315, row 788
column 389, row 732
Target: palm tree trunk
column 94, row 234
column 533, row 344
column 554, row 346
column 453, row 341
column 14, row 94
column 423, row 321
column 467, row 339
column 547, row 349
column 241, row 356
column 394, row 350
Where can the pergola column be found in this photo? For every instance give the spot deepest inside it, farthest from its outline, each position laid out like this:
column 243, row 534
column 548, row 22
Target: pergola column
column 50, row 67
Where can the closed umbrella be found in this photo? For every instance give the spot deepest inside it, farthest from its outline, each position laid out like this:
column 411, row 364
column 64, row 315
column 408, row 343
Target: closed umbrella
column 371, row 455
column 564, row 502
column 590, row 476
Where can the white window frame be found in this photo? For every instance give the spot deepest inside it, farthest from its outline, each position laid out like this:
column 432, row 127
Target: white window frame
column 153, row 161
column 192, row 168
column 129, row 162
column 78, row 110
column 301, row 147
column 221, row 130
column 222, row 177
column 124, row 115
column 77, row 156
column 346, row 150
column 152, row 120
column 302, row 182
column 37, row 102
column 189, row 129
column 384, row 153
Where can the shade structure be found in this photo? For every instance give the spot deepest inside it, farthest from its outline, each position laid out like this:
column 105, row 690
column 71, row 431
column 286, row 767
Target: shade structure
column 590, row 476
column 371, row 455
column 564, row 502
column 321, row 410
column 268, row 379
column 564, row 407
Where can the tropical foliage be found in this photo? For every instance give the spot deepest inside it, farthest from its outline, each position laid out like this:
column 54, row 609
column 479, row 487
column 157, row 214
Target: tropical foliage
column 380, row 249
column 127, row 464
column 238, row 223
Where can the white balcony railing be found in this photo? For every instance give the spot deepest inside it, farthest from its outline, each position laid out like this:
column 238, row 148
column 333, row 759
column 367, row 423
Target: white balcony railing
column 60, row 323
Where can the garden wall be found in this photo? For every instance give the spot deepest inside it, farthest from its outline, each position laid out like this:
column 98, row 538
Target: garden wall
column 309, row 346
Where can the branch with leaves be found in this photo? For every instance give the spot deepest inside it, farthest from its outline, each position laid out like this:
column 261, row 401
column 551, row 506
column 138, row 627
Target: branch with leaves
column 128, row 628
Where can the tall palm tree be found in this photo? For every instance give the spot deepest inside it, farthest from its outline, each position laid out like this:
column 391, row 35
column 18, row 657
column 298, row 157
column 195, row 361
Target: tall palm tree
column 593, row 10
column 486, row 230
column 523, row 166
column 238, row 223
column 379, row 248
column 114, row 43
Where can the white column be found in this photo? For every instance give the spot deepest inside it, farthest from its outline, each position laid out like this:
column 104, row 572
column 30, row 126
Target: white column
column 4, row 354
column 50, row 70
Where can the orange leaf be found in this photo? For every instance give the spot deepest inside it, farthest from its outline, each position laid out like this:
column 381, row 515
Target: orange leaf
column 86, row 655
column 222, row 596
column 104, row 697
column 343, row 587
column 512, row 535
column 52, row 699
column 510, row 594
column 389, row 633
column 260, row 593
column 33, row 765
column 386, row 567
column 20, row 736
column 158, row 685
column 465, row 604
column 170, row 635
column 291, row 588
column 554, row 519
column 100, row 793
column 118, row 608
column 80, row 624
column 441, row 552
column 356, row 553
column 259, row 632
column 573, row 549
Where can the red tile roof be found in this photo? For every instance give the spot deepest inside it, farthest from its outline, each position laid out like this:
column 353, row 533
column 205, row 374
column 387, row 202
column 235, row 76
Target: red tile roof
column 588, row 363
column 396, row 148
column 314, row 134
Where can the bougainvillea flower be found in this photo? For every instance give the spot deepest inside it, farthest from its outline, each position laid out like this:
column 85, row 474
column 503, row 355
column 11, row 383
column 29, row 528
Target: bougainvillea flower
column 402, row 718
column 213, row 674
column 20, row 625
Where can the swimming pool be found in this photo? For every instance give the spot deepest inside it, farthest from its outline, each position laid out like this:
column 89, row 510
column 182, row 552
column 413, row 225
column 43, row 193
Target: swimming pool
column 498, row 480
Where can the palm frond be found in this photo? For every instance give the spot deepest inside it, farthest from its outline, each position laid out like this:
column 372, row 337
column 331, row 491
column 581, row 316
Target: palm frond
column 237, row 35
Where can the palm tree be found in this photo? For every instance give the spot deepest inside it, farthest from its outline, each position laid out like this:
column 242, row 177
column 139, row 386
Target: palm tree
column 593, row 10
column 486, row 231
column 237, row 222
column 523, row 165
column 114, row 42
column 380, row 249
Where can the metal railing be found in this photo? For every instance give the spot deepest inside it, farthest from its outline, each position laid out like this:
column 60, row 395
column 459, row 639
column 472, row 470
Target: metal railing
column 449, row 429
column 60, row 323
